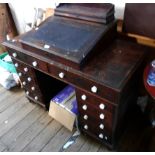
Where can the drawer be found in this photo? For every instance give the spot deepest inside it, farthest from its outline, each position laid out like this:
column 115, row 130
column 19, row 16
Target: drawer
column 95, row 116
column 96, row 102
column 22, row 69
column 91, row 124
column 83, row 83
column 29, row 60
column 35, row 95
column 102, row 137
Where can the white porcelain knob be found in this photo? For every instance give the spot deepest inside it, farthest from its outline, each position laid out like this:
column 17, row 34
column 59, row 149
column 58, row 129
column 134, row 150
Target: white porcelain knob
column 83, row 97
column 102, row 106
column 16, row 65
column 61, row 75
column 33, row 88
column 29, row 79
column 24, row 83
column 46, row 46
column 86, row 127
column 14, row 55
column 101, row 116
column 27, row 93
column 94, row 89
column 36, row 97
column 101, row 126
column 85, row 117
column 20, row 74
column 84, row 107
column 26, row 69
column 34, row 63
column 101, row 135
column 106, row 138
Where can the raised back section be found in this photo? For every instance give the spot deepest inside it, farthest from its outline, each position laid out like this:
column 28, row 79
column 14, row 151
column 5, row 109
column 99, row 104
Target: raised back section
column 139, row 19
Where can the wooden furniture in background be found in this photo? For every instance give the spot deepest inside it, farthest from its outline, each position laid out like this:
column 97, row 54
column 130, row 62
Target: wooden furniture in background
column 7, row 26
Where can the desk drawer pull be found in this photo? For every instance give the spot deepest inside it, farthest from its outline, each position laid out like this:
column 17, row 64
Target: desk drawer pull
column 101, row 126
column 14, row 55
column 85, row 117
column 86, row 127
column 83, row 97
column 101, row 116
column 102, row 106
column 61, row 75
column 33, row 88
column 27, row 93
column 94, row 89
column 101, row 135
column 24, row 83
column 26, row 69
column 29, row 79
column 34, row 63
column 36, row 98
column 16, row 65
column 20, row 74
column 84, row 107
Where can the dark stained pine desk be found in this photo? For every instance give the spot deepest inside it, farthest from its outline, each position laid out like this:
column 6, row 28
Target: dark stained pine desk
column 106, row 84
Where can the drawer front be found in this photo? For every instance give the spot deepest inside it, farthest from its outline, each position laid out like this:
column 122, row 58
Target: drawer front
column 94, row 115
column 82, row 82
column 33, row 62
column 101, row 136
column 28, row 81
column 93, row 109
column 96, row 102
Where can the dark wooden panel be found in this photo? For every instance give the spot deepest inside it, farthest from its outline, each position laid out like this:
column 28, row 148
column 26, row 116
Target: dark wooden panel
column 102, row 13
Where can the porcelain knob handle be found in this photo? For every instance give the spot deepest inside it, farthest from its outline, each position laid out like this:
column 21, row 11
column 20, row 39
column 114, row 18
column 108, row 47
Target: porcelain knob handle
column 83, row 97
column 36, row 97
column 61, row 75
column 101, row 126
column 101, row 135
column 85, row 117
column 29, row 79
column 86, row 127
column 24, row 83
column 27, row 93
column 101, row 116
column 102, row 106
column 16, row 65
column 94, row 89
column 33, row 88
column 34, row 63
column 84, row 107
column 14, row 55
column 26, row 69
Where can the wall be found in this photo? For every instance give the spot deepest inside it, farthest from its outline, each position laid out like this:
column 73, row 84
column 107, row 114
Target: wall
column 24, row 12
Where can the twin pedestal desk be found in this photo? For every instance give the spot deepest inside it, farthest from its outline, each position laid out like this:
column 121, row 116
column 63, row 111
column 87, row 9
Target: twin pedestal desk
column 106, row 85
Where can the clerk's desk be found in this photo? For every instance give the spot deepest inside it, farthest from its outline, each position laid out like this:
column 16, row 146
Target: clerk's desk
column 105, row 87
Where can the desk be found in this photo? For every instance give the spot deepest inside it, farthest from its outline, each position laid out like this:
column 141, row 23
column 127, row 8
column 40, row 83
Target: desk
column 105, row 88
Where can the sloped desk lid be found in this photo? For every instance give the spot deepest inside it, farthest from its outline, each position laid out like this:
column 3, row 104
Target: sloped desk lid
column 69, row 40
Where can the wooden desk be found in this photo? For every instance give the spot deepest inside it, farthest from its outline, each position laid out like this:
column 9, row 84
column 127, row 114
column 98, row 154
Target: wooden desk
column 105, row 88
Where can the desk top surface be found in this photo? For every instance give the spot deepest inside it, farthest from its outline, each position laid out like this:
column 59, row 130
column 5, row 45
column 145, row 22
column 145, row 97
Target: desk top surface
column 111, row 67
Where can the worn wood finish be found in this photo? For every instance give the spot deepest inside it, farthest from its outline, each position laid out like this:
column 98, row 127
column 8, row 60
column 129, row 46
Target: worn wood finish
column 108, row 78
column 102, row 13
column 70, row 41
column 116, row 61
